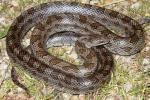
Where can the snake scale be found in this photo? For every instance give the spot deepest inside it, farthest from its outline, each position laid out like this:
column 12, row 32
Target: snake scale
column 95, row 43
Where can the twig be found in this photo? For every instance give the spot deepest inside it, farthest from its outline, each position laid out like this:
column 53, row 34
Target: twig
column 113, row 3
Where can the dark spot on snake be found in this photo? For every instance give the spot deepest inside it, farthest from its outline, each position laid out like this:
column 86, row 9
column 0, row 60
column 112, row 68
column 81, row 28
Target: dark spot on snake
column 20, row 19
column 91, row 54
column 40, row 26
column 137, row 27
column 76, row 89
column 54, row 75
column 116, row 23
column 104, row 54
column 15, row 45
column 31, row 61
column 68, row 14
column 45, row 79
column 78, row 45
column 113, row 14
column 21, row 53
column 105, row 61
column 101, row 9
column 104, row 20
column 57, row 17
column 94, row 25
column 30, row 20
column 106, row 72
column 14, row 28
column 105, row 32
column 31, row 11
column 115, row 38
column 49, row 20
column 41, row 69
column 82, row 19
column 67, row 68
column 82, row 50
column 55, row 61
column 88, row 65
column 126, row 28
column 34, row 72
column 36, row 38
column 127, row 32
column 127, row 49
column 41, row 53
column 12, row 37
column 126, row 19
column 91, row 88
column 44, row 39
column 39, row 45
column 134, row 38
column 68, row 79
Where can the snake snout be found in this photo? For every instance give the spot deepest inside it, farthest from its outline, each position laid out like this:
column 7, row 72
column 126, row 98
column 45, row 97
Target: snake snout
column 91, row 41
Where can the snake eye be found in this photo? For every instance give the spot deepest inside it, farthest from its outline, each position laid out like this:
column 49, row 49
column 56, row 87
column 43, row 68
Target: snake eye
column 84, row 39
column 97, row 42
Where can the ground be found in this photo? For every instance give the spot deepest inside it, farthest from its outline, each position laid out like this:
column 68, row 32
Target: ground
column 130, row 80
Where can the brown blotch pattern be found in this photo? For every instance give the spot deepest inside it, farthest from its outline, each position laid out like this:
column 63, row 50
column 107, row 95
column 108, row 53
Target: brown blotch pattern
column 88, row 65
column 41, row 53
column 36, row 38
column 67, row 68
column 94, row 25
column 20, row 19
column 113, row 14
column 126, row 19
column 49, row 20
column 91, row 54
column 40, row 27
column 104, row 20
column 82, row 50
column 137, row 27
column 14, row 28
column 31, row 11
column 55, row 61
column 57, row 17
column 127, row 49
column 134, row 39
column 31, row 61
column 82, row 19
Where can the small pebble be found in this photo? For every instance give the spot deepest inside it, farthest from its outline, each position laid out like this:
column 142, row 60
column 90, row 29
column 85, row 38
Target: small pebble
column 127, row 86
column 136, row 5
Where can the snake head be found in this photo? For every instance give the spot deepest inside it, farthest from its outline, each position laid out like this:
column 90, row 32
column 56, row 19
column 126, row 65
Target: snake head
column 92, row 40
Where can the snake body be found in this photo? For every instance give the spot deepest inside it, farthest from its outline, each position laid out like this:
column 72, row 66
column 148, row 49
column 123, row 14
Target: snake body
column 93, row 25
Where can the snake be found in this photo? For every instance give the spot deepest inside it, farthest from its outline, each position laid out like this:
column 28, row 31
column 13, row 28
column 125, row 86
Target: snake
column 93, row 26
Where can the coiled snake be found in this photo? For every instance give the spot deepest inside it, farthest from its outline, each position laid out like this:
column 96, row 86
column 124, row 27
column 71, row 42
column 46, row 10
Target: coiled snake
column 95, row 39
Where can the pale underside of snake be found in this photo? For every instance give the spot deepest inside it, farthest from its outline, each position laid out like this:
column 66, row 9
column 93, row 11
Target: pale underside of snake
column 92, row 24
